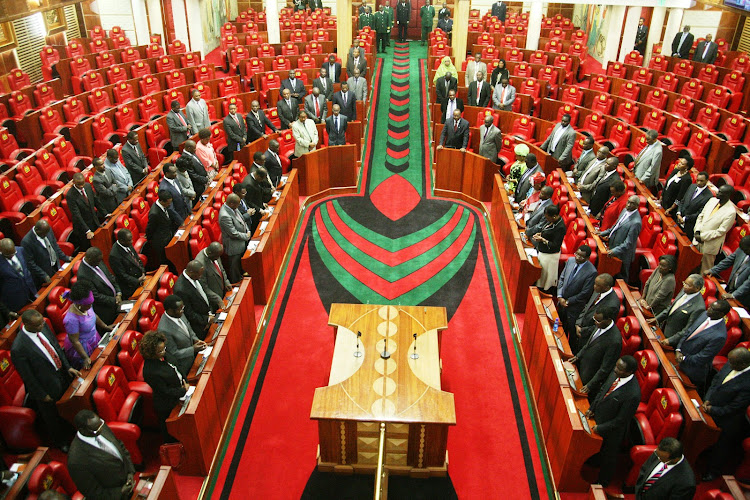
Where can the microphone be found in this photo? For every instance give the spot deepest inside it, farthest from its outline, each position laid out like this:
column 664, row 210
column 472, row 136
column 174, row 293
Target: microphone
column 357, row 352
column 414, row 355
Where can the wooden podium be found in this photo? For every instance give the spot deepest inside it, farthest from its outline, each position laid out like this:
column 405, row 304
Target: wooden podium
column 402, row 392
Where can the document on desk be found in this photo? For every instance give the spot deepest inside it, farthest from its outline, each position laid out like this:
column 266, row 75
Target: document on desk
column 531, row 252
column 126, row 305
column 206, row 351
column 742, row 312
column 65, row 265
column 179, row 233
column 252, row 245
column 263, row 226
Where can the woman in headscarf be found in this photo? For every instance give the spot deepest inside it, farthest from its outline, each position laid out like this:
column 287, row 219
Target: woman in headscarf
column 530, row 203
column 499, row 73
column 517, row 169
column 446, row 66
column 80, row 324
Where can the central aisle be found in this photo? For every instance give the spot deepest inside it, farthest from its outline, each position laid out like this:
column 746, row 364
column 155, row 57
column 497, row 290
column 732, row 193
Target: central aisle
column 393, row 242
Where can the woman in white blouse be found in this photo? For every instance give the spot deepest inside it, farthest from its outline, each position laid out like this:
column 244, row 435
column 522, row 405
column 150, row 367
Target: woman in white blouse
column 305, row 135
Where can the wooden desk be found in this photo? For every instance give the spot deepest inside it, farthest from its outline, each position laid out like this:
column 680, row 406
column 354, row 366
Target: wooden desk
column 163, row 485
column 327, row 167
column 466, row 173
column 407, row 398
column 19, row 489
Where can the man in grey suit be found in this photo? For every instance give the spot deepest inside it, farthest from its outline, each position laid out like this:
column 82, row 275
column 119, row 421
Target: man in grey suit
column 738, row 284
column 43, row 254
column 647, row 165
column 702, row 342
column 324, row 83
column 214, row 279
column 524, row 182
column 490, row 139
column 682, row 312
column 560, row 142
column 336, row 127
column 123, row 183
column 178, row 124
column 473, row 68
column 357, row 60
column 288, row 109
column 706, row 51
column 504, row 95
column 234, row 234
column 134, row 158
column 587, row 156
column 358, row 85
column 593, row 173
column 182, row 342
column 315, row 105
column 623, row 236
column 197, row 112
column 104, row 185
column 574, row 287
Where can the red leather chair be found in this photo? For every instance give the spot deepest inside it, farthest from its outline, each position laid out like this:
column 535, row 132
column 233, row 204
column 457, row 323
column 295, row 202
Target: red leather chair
column 657, row 99
column 619, row 139
column 667, row 81
column 149, row 109
column 602, row 104
column 20, row 104
column 60, row 225
column 176, row 78
column 92, row 80
column 630, row 329
column 31, row 181
column 683, row 68
column 531, row 87
column 631, row 91
column 698, row 147
column 130, row 55
column 16, row 421
column 154, row 50
column 628, row 112
column 44, row 95
column 189, row 60
column 49, row 57
column 574, row 236
column 131, row 362
column 654, row 120
column 120, row 407
column 164, row 64
column 99, row 101
column 566, row 63
column 98, row 45
column 159, row 143
column 55, row 310
column 719, row 97
column 117, row 75
column 707, row 117
column 166, row 285
column 708, row 73
column 150, row 314
column 643, row 76
column 105, row 136
column 228, row 29
column 51, row 476
column 218, row 139
column 524, row 70
column 538, row 57
column 126, row 119
column 507, row 155
column 74, row 110
column 514, row 55
column 573, row 95
column 50, row 168
column 286, row 143
column 116, row 31
column 314, row 48
column 75, row 49
column 233, row 100
column 124, row 92
column 266, row 50
column 523, row 128
column 149, row 85
column 14, row 203
column 139, row 213
column 173, row 95
column 549, row 75
column 579, row 36
column 140, row 69
column 176, row 47
column 678, row 133
column 600, row 83
column 227, row 87
column 651, row 227
column 17, row 79
column 554, row 46
column 658, row 62
column 121, row 42
column 97, row 32
column 634, row 57
column 647, row 375
column 662, row 418
column 663, row 245
column 198, row 240
column 204, row 73
column 692, row 89
column 738, row 173
column 9, row 149
column 568, row 109
column 289, row 49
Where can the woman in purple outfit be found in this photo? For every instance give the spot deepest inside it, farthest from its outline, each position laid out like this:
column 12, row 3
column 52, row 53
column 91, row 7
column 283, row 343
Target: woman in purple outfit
column 80, row 324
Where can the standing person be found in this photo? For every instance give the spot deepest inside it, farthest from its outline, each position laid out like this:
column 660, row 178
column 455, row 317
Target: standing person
column 574, row 287
column 647, row 165
column 677, row 185
column 214, row 279
column 602, row 190
column 126, row 263
column 389, row 13
column 182, row 342
column 444, row 80
column 257, row 121
column 45, row 371
column 446, row 24
column 365, row 17
column 235, row 233
column 696, row 197
column 123, row 183
column 560, row 142
column 713, row 224
column 588, row 155
column 183, row 179
column 525, row 186
column 490, row 139
column 258, row 195
column 347, row 102
column 614, row 206
column 380, row 23
column 273, row 162
column 675, row 319
column 473, row 68
column 206, row 154
column 548, row 243
column 104, row 184
column 287, row 108
column 324, row 84
column 236, row 132
column 17, row 286
column 295, row 85
column 134, row 158
column 179, row 127
column 104, row 287
column 598, row 356
column 682, row 43
column 427, row 17
column 500, row 72
column 706, row 51
column 666, row 474
column 738, row 284
column 315, row 105
column 169, row 183
column 198, row 173
column 82, row 205
column 455, row 134
column 641, row 37
column 504, row 95
column 444, row 11
column 333, row 68
column 81, row 324
column 403, row 13
column 358, row 85
column 603, row 296
column 98, row 463
column 43, row 255
column 163, row 222
column 517, row 168
column 622, row 238
column 499, row 10
column 197, row 112
column 479, row 91
column 659, row 288
column 336, row 127
column 448, row 107
column 197, row 307
column 592, row 173
column 356, row 61
column 305, row 135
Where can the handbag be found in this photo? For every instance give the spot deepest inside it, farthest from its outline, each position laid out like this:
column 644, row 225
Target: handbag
column 172, row 454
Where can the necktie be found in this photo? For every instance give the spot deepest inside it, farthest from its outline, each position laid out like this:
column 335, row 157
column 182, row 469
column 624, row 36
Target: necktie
column 105, row 279
column 83, row 193
column 343, row 94
column 337, row 124
column 107, row 446
column 447, row 84
column 52, row 254
column 455, row 126
column 696, row 193
column 698, row 330
column 50, row 350
column 486, row 131
column 317, row 107
column 708, row 45
column 218, row 269
column 179, row 115
column 16, row 265
column 257, row 117
column 677, row 303
column 134, row 256
column 575, row 271
column 479, row 90
column 236, row 120
column 732, row 285
column 612, row 387
column 200, row 291
column 650, row 481
column 620, row 221
column 502, row 97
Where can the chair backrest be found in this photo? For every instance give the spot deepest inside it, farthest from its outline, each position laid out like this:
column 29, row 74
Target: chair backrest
column 663, row 413
column 12, row 390
column 111, row 392
column 648, row 372
column 129, row 357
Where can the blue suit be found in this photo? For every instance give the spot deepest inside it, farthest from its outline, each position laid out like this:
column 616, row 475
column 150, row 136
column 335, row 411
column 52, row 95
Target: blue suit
column 738, row 283
column 700, row 350
column 576, row 290
column 623, row 240
column 180, row 205
column 15, row 290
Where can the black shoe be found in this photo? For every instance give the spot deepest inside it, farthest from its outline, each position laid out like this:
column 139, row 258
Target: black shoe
column 709, row 476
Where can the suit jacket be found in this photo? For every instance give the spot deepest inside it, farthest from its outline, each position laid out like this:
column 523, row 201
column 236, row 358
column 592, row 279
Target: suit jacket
column 165, row 383
column 326, row 91
column 235, row 132
column 456, row 139
column 361, row 64
column 443, row 12
column 296, row 87
column 127, row 267
column 648, row 164
column 524, row 183
column 738, row 283
column 713, row 51
column 256, row 127
column 583, row 162
column 490, row 141
column 677, row 484
column 197, row 173
column 586, row 319
column 690, row 207
column 334, row 71
column 563, row 151
column 684, row 51
column 258, row 192
column 502, row 102
column 310, row 107
column 106, row 196
column 40, row 378
column 37, row 256
column 576, row 289
column 82, row 211
column 179, row 203
column 15, row 290
column 446, row 25
column 675, row 191
column 287, row 114
column 482, row 100
column 700, row 350
column 305, row 135
column 536, row 218
column 336, row 138
column 442, row 90
column 273, row 166
column 403, row 12
column 178, row 132
column 471, row 72
column 613, row 413
column 179, row 342
column 197, row 115
column 728, row 401
column 714, row 226
column 641, row 38
column 499, row 10
column 588, row 179
column 196, row 309
column 233, row 231
column 601, row 192
column 97, row 473
column 159, row 231
column 105, row 305
column 359, row 87
column 350, row 108
column 675, row 321
column 658, row 293
column 214, row 282
column 135, row 161
column 624, row 239
column 597, row 358
column 444, row 109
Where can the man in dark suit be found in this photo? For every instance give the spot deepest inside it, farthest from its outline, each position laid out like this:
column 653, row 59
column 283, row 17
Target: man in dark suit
column 257, row 121
column 214, row 279
column 702, row 342
column 575, row 287
column 126, row 264
column 333, row 68
column 446, row 24
column 706, row 51
column 17, row 286
column 197, row 172
column 169, row 183
column 641, row 37
column 603, row 296
column 612, row 410
column 622, row 238
column 347, row 102
column 257, row 196
column 666, row 474
column 43, row 255
column 179, row 127
column 324, row 83
column 536, row 220
column 182, row 342
column 450, row 105
column 82, row 206
column 295, row 85
column 287, row 108
column 356, row 61
column 273, row 162
column 44, row 369
column 726, row 401
column 134, row 158
column 234, row 128
column 684, row 310
column 696, row 197
column 479, row 91
column 163, row 221
column 601, row 191
column 682, row 43
column 98, row 462
column 336, row 127
column 443, row 88
column 738, row 284
column 598, row 356
column 588, row 156
column 247, row 214
column 455, row 133
column 403, row 13
column 197, row 307
column 499, row 10
column 104, row 286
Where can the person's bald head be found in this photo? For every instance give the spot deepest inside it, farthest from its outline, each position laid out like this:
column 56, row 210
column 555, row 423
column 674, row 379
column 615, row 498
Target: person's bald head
column 602, row 153
column 274, row 146
column 233, row 201
column 739, row 358
column 190, row 146
column 611, row 164
column 194, row 269
column 214, row 250
column 41, row 228
column 7, row 248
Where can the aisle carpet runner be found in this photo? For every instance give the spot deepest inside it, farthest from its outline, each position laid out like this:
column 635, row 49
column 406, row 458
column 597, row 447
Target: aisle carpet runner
column 393, row 243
